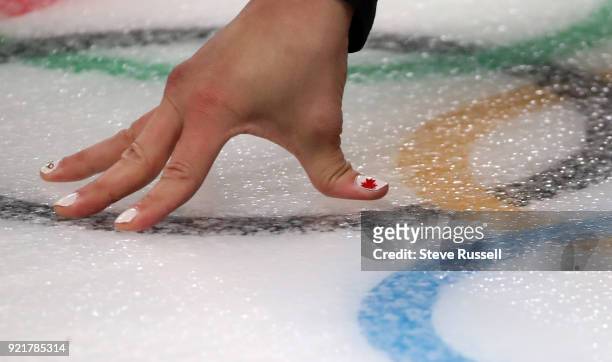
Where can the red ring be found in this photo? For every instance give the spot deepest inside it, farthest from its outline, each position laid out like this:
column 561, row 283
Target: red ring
column 14, row 8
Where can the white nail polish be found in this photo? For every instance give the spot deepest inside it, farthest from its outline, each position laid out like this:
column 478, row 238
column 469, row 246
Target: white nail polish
column 126, row 216
column 369, row 183
column 67, row 200
column 49, row 167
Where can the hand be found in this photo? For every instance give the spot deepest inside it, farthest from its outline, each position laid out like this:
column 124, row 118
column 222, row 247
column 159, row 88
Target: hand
column 277, row 71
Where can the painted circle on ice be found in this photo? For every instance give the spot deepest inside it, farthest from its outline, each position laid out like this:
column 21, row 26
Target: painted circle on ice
column 69, row 53
column 452, row 59
column 396, row 317
column 438, row 152
column 588, row 91
column 14, row 8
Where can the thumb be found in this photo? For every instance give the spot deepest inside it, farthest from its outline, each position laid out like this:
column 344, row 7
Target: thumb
column 333, row 175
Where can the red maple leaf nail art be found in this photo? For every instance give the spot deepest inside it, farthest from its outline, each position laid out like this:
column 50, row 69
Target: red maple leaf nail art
column 369, row 183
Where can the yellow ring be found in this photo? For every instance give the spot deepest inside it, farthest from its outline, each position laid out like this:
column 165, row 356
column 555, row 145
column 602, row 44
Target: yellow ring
column 436, row 155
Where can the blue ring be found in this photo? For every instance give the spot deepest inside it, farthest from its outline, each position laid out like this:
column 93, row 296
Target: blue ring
column 396, row 317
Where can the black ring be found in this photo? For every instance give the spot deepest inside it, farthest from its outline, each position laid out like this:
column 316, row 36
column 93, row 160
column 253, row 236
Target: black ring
column 591, row 165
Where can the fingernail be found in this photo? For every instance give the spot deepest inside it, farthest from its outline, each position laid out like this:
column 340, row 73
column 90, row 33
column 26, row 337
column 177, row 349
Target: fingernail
column 49, row 167
column 369, row 183
column 67, row 200
column 126, row 216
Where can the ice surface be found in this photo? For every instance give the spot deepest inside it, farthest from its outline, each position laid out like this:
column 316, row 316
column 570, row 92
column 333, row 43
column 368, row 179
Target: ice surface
column 296, row 296
column 184, row 298
column 470, row 21
column 525, row 145
column 82, row 109
column 482, row 21
column 528, row 317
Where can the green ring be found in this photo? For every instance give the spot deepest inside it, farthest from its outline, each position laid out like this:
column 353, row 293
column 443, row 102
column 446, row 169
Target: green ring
column 582, row 35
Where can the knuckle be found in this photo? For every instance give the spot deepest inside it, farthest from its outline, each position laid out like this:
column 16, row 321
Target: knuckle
column 202, row 98
column 136, row 155
column 208, row 99
column 330, row 175
column 206, row 95
column 127, row 135
column 177, row 76
column 179, row 171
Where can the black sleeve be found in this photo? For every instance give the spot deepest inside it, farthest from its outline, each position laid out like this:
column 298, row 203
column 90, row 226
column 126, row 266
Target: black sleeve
column 363, row 18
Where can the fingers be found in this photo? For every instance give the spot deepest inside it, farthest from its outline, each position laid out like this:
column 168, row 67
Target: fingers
column 333, row 176
column 138, row 165
column 194, row 155
column 96, row 158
